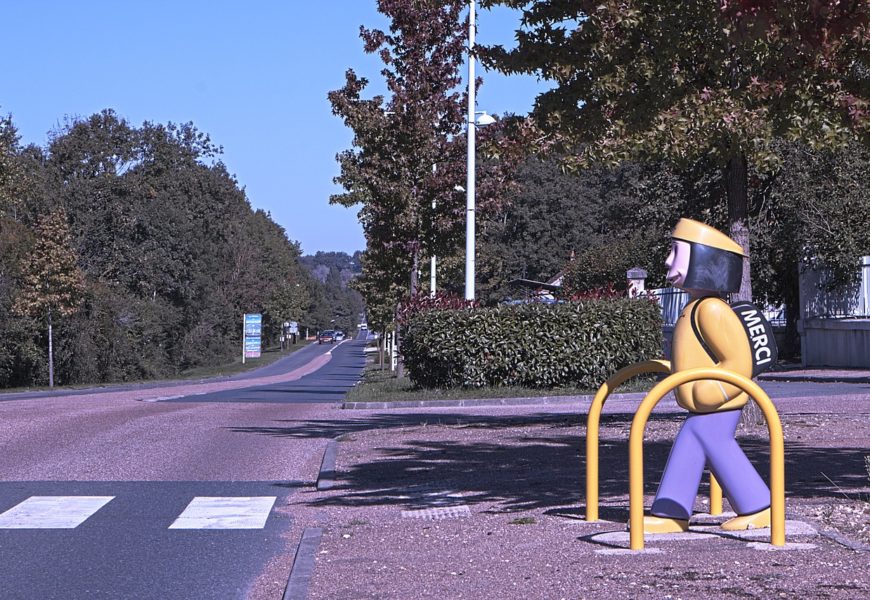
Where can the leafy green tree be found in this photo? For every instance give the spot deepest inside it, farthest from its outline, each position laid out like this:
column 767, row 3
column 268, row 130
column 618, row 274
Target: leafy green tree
column 172, row 252
column 52, row 282
column 610, row 219
column 813, row 213
column 10, row 171
column 697, row 79
column 404, row 156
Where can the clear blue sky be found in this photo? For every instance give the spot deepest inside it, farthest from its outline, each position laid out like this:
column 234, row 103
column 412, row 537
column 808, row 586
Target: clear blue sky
column 253, row 75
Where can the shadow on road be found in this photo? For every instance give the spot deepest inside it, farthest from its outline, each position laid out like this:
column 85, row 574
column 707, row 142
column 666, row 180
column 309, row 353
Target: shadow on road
column 534, row 461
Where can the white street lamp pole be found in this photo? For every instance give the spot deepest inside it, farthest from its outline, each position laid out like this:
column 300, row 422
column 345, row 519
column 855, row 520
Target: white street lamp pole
column 469, row 186
column 432, row 263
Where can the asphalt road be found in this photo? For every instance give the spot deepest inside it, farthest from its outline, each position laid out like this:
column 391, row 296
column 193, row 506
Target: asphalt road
column 328, row 384
column 127, row 548
column 181, row 493
column 282, row 365
column 107, row 496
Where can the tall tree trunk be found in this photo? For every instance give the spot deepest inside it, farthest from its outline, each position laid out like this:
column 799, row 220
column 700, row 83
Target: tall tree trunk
column 738, row 216
column 415, row 287
column 50, row 352
column 415, row 268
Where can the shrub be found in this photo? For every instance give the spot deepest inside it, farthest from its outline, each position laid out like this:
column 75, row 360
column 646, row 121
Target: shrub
column 605, row 266
column 409, row 307
column 534, row 345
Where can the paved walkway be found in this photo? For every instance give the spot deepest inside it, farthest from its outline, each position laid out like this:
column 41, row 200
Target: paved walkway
column 487, row 502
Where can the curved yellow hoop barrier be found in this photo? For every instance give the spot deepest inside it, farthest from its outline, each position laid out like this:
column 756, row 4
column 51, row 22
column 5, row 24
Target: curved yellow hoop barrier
column 594, row 418
column 635, row 448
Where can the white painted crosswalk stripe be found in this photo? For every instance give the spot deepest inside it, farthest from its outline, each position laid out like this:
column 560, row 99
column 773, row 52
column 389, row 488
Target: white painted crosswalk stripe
column 52, row 512
column 225, row 513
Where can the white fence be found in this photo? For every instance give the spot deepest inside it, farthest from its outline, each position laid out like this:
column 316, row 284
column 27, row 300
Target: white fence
column 817, row 302
column 835, row 326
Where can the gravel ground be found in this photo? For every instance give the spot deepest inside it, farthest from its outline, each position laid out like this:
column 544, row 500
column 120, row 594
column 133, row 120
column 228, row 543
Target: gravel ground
column 487, row 503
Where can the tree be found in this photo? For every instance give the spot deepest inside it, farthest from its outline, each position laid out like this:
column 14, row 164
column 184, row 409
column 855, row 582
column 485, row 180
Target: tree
column 609, row 219
column 52, row 283
column 171, row 252
column 404, row 158
column 813, row 213
column 10, row 171
column 697, row 79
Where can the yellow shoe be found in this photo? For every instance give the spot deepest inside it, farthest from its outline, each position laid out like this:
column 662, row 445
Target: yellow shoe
column 653, row 524
column 759, row 520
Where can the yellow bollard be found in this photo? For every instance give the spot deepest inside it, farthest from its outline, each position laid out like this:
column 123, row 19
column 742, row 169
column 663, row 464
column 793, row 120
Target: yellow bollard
column 715, row 496
column 594, row 418
column 635, row 448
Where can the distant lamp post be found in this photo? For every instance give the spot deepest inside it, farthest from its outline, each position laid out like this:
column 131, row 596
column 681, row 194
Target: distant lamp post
column 432, row 260
column 483, row 120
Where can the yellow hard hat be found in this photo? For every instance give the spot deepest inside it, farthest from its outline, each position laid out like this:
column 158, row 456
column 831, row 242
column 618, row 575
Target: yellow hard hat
column 699, row 233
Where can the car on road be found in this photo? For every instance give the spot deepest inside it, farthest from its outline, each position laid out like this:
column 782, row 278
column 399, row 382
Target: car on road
column 326, row 336
column 339, row 336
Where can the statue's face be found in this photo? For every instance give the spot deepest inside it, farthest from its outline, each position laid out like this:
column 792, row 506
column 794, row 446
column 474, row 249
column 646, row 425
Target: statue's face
column 678, row 263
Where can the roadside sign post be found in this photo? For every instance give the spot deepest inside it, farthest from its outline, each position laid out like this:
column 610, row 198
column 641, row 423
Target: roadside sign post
column 252, row 327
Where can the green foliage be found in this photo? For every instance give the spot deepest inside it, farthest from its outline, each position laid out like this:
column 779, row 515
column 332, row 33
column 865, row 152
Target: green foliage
column 414, row 305
column 606, row 265
column 168, row 250
column 697, row 80
column 611, row 219
column 409, row 152
column 534, row 345
column 11, row 175
column 698, row 76
column 813, row 211
column 334, row 274
column 389, row 170
column 51, row 279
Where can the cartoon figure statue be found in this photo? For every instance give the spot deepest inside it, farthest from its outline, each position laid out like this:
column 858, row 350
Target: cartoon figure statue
column 707, row 264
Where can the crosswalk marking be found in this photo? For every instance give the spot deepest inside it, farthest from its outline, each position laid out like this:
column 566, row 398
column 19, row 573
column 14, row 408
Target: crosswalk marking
column 225, row 513
column 52, row 512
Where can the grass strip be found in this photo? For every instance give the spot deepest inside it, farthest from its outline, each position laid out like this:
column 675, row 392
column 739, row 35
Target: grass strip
column 384, row 386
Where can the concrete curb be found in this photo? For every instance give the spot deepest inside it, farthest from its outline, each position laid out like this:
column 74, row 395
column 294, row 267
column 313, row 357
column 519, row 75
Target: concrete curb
column 474, row 402
column 844, row 541
column 815, row 378
column 303, row 564
column 326, row 477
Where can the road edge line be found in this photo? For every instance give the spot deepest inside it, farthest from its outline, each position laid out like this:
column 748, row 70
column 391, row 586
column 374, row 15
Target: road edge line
column 303, row 564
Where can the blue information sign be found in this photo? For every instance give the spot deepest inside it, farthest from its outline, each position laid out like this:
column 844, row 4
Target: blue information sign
column 253, row 325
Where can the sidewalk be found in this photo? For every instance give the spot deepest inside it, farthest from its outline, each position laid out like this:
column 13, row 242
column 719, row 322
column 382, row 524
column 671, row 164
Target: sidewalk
column 818, row 375
column 487, row 502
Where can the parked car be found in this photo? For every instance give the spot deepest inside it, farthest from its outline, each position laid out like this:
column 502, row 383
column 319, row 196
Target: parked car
column 326, row 336
column 339, row 336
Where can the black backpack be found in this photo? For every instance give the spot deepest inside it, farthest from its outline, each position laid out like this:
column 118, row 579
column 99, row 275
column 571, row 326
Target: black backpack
column 759, row 335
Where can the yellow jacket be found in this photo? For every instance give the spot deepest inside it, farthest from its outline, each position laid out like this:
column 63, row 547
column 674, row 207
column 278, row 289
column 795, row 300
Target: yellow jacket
column 721, row 330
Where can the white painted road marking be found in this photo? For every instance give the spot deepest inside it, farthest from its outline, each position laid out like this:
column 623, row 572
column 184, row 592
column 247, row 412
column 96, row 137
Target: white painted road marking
column 52, row 512
column 225, row 513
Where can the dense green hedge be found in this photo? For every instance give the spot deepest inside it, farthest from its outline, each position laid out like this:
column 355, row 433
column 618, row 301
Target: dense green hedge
column 534, row 345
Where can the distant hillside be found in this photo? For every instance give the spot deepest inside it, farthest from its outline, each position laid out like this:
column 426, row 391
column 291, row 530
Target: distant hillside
column 321, row 263
column 336, row 303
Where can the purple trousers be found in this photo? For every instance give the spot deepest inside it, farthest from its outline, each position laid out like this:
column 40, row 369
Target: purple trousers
column 708, row 439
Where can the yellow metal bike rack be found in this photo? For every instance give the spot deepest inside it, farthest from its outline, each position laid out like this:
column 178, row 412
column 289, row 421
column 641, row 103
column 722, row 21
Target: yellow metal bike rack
column 635, row 448
column 592, row 424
